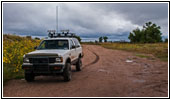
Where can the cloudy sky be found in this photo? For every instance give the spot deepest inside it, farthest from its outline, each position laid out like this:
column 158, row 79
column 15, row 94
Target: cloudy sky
column 116, row 20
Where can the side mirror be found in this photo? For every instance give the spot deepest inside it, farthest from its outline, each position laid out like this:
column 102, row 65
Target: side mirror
column 73, row 46
column 35, row 47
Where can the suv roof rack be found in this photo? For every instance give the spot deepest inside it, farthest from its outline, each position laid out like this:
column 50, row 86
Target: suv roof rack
column 53, row 34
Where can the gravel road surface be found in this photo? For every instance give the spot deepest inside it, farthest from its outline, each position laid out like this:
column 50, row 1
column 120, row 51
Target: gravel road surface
column 106, row 73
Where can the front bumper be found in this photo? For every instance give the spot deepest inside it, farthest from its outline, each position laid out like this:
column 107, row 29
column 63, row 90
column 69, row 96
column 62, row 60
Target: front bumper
column 43, row 68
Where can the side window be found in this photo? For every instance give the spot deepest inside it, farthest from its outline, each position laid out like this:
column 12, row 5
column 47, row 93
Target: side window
column 77, row 44
column 71, row 44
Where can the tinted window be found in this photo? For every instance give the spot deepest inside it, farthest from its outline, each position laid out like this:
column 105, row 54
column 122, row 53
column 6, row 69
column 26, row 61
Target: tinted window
column 54, row 44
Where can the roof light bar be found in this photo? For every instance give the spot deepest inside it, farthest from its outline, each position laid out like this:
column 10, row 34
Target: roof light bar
column 65, row 33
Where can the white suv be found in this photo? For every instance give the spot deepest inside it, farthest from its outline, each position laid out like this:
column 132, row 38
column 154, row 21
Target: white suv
column 54, row 56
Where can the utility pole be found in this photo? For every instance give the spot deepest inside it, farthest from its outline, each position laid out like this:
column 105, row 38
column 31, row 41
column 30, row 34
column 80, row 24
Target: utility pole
column 57, row 19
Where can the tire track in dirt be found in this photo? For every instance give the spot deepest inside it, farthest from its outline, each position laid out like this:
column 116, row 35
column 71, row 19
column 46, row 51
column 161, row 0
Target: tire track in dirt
column 93, row 62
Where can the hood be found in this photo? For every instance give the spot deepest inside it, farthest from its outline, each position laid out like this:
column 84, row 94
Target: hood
column 46, row 53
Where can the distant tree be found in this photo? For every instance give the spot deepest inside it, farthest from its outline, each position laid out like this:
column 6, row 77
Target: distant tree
column 105, row 38
column 28, row 37
column 136, row 36
column 166, row 40
column 37, row 38
column 149, row 34
column 100, row 39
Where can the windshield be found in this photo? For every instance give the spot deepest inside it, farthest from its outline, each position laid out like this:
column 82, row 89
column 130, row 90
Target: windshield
column 54, row 44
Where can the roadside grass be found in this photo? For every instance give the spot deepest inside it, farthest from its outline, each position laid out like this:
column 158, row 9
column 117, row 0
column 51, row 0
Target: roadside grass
column 142, row 56
column 145, row 56
column 14, row 47
column 9, row 74
column 159, row 50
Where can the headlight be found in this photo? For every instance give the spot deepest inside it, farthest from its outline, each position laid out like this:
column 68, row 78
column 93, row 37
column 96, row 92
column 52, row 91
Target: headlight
column 26, row 60
column 59, row 59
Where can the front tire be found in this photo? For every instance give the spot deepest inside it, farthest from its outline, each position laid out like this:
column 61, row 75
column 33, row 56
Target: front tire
column 29, row 77
column 79, row 65
column 67, row 72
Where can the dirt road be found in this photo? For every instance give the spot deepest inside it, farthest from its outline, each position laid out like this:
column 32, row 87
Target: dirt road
column 106, row 73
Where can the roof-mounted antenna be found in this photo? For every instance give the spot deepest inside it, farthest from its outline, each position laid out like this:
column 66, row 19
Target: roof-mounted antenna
column 57, row 19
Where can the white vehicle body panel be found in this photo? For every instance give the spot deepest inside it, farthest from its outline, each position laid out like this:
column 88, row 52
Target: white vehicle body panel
column 72, row 53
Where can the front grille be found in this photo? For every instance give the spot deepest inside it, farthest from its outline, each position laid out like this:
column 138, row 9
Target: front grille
column 41, row 60
column 52, row 60
column 40, row 65
column 40, row 68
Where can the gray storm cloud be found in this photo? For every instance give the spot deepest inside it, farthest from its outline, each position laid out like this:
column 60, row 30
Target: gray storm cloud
column 82, row 18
